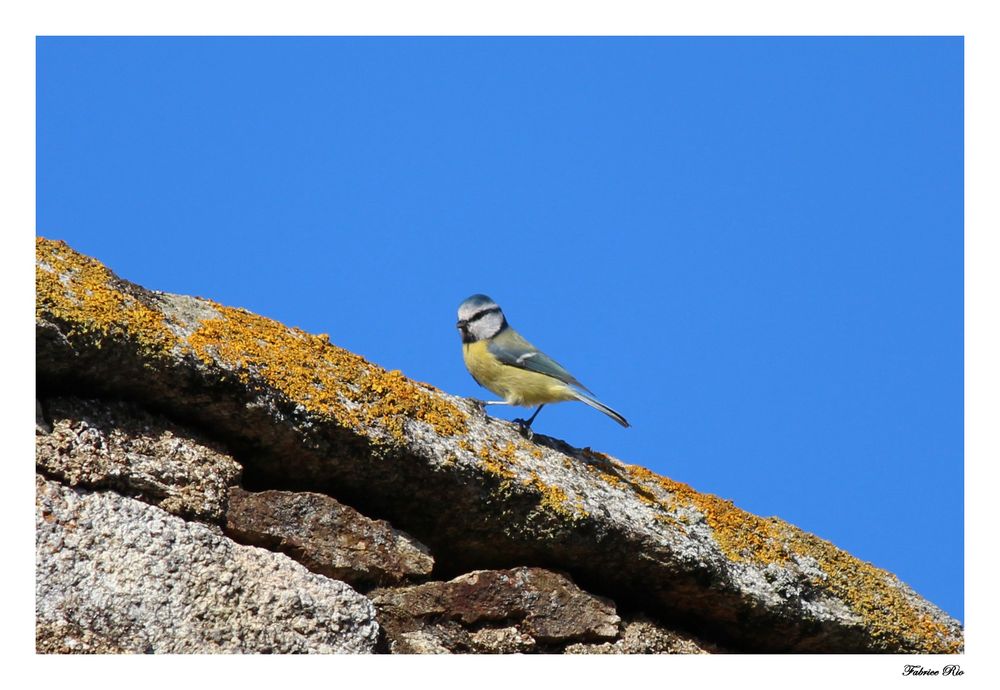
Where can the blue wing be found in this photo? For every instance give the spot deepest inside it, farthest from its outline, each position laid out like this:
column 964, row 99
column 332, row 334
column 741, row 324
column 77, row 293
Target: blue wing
column 511, row 349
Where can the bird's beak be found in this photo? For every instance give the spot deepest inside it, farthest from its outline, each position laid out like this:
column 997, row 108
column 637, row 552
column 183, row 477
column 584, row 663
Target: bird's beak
column 461, row 324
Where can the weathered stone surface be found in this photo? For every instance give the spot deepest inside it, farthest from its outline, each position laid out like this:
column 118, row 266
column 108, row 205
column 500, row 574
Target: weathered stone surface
column 645, row 637
column 326, row 536
column 494, row 611
column 301, row 413
column 62, row 637
column 510, row 640
column 115, row 574
column 117, row 445
column 41, row 424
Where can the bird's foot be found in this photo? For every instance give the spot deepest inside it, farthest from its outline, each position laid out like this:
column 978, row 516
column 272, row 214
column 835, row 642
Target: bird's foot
column 524, row 427
column 480, row 405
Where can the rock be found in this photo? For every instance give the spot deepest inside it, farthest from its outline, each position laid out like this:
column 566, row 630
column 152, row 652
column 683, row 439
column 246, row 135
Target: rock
column 502, row 641
column 327, row 537
column 62, row 637
column 641, row 636
column 494, row 611
column 42, row 425
column 303, row 414
column 444, row 638
column 115, row 574
column 117, row 445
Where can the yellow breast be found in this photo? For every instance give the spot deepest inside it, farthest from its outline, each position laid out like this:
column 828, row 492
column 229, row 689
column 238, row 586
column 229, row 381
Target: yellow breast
column 516, row 386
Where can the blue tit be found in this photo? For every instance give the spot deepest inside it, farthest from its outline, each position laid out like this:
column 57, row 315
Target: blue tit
column 503, row 362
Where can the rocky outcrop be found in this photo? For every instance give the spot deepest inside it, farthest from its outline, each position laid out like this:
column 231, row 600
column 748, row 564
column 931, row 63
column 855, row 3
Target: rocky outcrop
column 641, row 636
column 138, row 579
column 327, row 537
column 494, row 611
column 309, row 423
column 117, row 445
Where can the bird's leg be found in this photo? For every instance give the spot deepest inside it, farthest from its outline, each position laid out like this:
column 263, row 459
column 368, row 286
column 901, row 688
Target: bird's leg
column 532, row 417
column 481, row 404
column 526, row 424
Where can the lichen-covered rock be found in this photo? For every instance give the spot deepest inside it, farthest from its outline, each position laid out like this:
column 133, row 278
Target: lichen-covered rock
column 494, row 611
column 306, row 414
column 119, row 446
column 115, row 574
column 327, row 537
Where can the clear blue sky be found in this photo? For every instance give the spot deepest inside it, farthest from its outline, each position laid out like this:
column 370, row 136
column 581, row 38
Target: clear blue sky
column 752, row 248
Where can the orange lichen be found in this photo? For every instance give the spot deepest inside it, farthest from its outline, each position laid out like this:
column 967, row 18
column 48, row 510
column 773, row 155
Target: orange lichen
column 90, row 303
column 500, row 463
column 489, row 461
column 554, row 498
column 326, row 380
column 885, row 610
column 608, row 471
column 742, row 536
column 876, row 596
column 82, row 294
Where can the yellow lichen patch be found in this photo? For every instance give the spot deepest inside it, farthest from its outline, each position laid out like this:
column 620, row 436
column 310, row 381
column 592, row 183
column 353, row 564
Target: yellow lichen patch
column 325, row 379
column 80, row 292
column 509, row 453
column 608, row 471
column 498, row 463
column 667, row 519
column 555, row 498
column 884, row 609
column 501, row 461
column 742, row 536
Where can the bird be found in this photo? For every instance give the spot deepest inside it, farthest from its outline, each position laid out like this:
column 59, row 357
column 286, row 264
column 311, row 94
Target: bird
column 503, row 362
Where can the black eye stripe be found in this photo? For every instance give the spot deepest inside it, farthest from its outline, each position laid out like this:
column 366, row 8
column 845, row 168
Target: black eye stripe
column 480, row 314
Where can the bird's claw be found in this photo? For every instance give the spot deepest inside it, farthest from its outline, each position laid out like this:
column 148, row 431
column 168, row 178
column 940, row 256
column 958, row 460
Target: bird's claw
column 479, row 405
column 524, row 428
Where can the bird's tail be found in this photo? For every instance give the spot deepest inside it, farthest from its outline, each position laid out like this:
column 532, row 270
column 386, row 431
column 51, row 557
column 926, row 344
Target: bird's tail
column 598, row 405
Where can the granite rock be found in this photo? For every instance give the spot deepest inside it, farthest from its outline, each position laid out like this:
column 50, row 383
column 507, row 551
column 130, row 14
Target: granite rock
column 494, row 611
column 115, row 574
column 327, row 537
column 302, row 414
column 118, row 445
column 642, row 636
